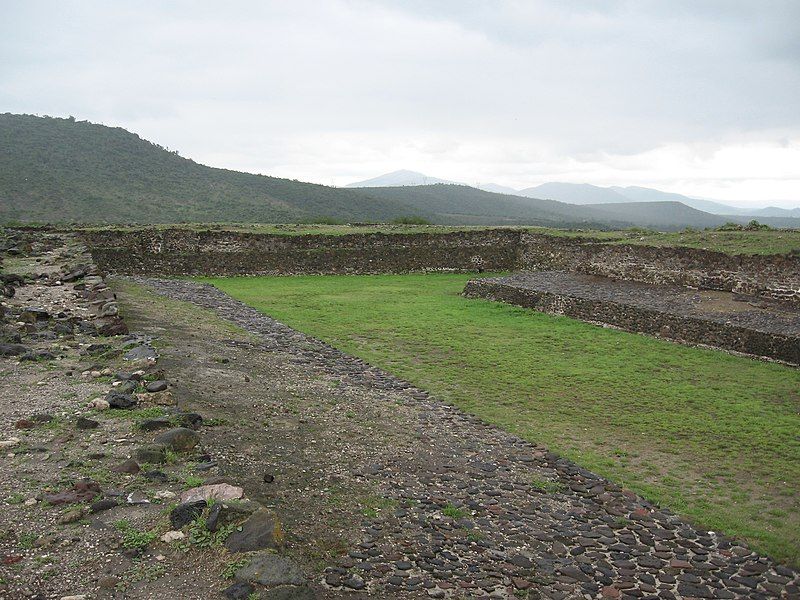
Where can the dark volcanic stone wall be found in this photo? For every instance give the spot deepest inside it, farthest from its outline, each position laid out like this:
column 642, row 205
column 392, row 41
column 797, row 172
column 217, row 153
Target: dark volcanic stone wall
column 641, row 319
column 184, row 252
column 770, row 277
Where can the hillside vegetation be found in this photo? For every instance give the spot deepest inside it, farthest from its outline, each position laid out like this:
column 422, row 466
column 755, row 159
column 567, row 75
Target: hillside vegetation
column 468, row 205
column 60, row 170
column 64, row 171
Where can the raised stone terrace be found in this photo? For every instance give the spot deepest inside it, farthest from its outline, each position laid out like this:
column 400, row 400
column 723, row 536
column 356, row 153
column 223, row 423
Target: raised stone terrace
column 708, row 317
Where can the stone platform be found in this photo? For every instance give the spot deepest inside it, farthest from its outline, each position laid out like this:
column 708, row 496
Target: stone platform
column 719, row 319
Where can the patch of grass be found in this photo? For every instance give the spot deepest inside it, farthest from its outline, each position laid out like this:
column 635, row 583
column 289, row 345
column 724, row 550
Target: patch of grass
column 134, row 414
column 54, row 424
column 122, row 525
column 141, row 571
column 372, row 505
column 134, row 299
column 475, row 536
column 547, row 486
column 679, row 414
column 16, row 498
column 770, row 241
column 193, row 480
column 454, row 512
column 26, row 540
column 133, row 538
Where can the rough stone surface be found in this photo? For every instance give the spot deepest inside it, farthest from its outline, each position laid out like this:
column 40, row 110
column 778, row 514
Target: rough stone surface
column 183, row 514
column 185, row 252
column 270, row 569
column 702, row 317
column 180, row 439
column 257, row 533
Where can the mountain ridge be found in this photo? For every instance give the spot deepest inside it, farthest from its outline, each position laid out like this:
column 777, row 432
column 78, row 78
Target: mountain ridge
column 63, row 170
column 586, row 193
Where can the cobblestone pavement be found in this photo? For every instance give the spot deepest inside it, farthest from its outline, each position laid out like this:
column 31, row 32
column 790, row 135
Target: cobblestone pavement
column 473, row 512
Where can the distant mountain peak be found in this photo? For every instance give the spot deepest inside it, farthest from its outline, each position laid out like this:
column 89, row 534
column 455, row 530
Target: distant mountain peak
column 401, row 177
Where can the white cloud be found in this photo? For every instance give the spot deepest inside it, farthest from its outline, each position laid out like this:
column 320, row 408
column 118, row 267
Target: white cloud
column 696, row 97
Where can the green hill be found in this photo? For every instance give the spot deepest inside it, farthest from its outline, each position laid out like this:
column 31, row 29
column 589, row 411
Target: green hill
column 461, row 204
column 61, row 170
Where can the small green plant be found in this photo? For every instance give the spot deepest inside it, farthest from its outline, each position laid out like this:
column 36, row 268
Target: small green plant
column 454, row 512
column 372, row 505
column 53, row 424
column 474, row 536
column 150, row 412
column 230, row 569
column 193, row 480
column 26, row 540
column 141, row 571
column 201, row 537
column 548, row 486
column 132, row 538
column 171, row 456
column 15, row 498
column 122, row 525
column 622, row 522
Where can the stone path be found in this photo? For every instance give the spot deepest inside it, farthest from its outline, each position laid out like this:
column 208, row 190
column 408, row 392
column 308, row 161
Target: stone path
column 709, row 317
column 473, row 512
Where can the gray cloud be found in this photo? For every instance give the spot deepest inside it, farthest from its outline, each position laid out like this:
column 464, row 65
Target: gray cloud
column 510, row 91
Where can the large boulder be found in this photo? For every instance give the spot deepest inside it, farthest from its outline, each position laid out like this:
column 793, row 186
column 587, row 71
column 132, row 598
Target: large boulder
column 183, row 514
column 12, row 349
column 179, row 439
column 260, row 532
column 155, row 454
column 121, row 400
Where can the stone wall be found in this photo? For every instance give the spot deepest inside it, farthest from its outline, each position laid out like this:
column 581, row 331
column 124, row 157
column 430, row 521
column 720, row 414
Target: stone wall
column 184, row 252
column 769, row 277
column 680, row 328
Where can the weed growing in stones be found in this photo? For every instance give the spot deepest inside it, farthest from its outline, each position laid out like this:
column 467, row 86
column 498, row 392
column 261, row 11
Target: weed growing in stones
column 372, row 505
column 230, row 569
column 150, row 412
column 454, row 512
column 200, row 537
column 475, row 536
column 547, row 486
column 133, row 538
column 193, row 480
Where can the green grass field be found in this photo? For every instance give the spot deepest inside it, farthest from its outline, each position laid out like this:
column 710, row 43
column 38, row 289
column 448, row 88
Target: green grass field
column 710, row 435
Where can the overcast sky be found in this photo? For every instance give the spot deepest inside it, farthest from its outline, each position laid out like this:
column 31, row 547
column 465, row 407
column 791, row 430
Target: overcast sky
column 697, row 97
